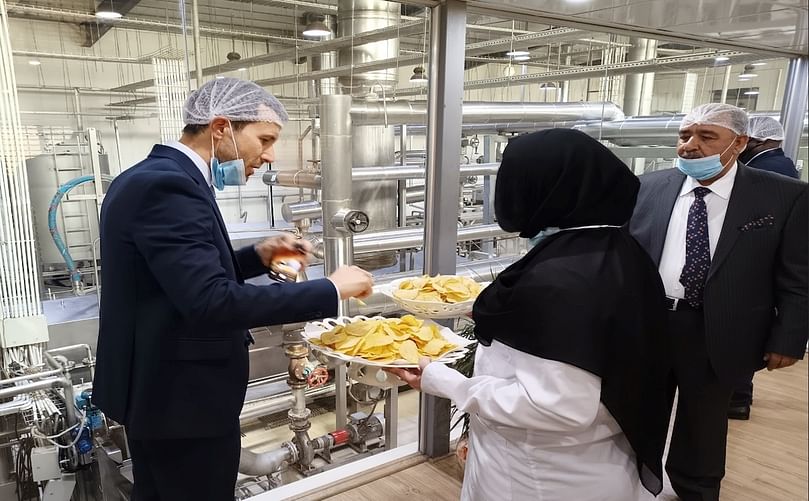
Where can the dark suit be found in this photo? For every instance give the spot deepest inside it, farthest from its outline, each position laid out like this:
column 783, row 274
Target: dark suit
column 755, row 301
column 173, row 340
column 774, row 161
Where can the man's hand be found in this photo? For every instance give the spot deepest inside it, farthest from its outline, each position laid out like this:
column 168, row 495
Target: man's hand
column 412, row 376
column 352, row 281
column 283, row 245
column 776, row 361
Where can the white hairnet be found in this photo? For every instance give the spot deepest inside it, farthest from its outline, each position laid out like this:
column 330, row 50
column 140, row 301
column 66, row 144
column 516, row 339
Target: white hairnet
column 235, row 99
column 723, row 115
column 764, row 128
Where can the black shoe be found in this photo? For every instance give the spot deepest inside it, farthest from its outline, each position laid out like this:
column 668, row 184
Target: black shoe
column 741, row 412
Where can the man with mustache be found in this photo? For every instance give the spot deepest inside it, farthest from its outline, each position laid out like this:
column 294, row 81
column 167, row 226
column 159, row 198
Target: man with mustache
column 731, row 246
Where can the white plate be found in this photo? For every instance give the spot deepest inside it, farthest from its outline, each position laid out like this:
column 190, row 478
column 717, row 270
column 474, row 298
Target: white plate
column 430, row 309
column 316, row 329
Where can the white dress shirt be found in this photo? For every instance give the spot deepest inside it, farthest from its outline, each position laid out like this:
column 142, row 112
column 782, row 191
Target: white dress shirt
column 538, row 431
column 194, row 156
column 673, row 258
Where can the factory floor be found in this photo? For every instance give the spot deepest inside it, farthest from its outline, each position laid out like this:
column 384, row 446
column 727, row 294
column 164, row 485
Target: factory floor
column 767, row 455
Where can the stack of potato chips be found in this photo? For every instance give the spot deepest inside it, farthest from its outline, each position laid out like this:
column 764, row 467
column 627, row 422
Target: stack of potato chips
column 385, row 341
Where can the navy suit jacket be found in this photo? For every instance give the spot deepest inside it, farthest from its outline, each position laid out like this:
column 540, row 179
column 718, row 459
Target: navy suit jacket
column 775, row 161
column 173, row 341
column 756, row 293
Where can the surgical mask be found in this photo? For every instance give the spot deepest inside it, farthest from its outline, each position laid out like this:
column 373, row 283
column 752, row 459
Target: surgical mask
column 705, row 167
column 230, row 173
column 542, row 235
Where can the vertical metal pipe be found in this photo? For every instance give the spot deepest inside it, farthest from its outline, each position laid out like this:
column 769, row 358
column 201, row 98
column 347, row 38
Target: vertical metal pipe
column 401, row 195
column 444, row 118
column 197, row 44
column 335, row 134
column 726, row 84
column 117, row 145
column 794, row 107
column 77, row 109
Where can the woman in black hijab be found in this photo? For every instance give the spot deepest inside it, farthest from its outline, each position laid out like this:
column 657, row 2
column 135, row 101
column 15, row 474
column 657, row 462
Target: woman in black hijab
column 568, row 400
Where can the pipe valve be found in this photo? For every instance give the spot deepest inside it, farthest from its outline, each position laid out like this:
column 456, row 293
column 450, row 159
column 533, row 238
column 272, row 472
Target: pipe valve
column 352, row 221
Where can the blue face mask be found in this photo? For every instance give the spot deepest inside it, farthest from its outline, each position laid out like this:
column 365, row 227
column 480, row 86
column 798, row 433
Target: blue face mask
column 702, row 168
column 230, row 173
column 534, row 241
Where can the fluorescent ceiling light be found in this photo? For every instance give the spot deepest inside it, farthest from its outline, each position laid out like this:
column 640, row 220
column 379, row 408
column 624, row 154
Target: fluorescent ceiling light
column 751, row 93
column 748, row 75
column 242, row 69
column 34, row 62
column 522, row 58
column 721, row 59
column 517, row 53
column 759, row 64
column 108, row 14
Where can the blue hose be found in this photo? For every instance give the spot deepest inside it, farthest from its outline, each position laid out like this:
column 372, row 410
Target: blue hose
column 75, row 276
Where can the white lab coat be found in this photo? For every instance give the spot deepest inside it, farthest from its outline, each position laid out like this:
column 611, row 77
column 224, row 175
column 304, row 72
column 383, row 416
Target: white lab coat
column 538, row 431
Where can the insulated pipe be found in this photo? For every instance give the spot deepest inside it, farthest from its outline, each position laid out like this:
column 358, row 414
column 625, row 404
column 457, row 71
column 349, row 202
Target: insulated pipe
column 415, row 113
column 414, row 237
column 305, row 179
column 794, row 103
column 265, row 463
column 292, row 178
column 648, row 131
column 197, row 45
column 47, row 384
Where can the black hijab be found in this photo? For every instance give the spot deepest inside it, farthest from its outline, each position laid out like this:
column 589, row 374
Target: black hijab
column 591, row 298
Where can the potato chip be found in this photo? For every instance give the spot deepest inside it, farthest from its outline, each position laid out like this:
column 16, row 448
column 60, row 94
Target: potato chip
column 434, row 347
column 409, row 351
column 388, row 340
column 438, row 289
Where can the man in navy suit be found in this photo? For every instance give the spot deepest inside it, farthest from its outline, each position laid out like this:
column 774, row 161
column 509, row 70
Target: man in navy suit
column 732, row 249
column 175, row 309
column 763, row 152
column 764, row 148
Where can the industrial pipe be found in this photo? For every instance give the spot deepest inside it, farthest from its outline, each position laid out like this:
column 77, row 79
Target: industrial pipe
column 311, row 180
column 647, row 131
column 415, row 113
column 265, row 463
column 47, row 384
column 414, row 237
column 29, row 377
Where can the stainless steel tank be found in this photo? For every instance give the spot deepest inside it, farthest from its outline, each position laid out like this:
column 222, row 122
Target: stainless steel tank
column 372, row 145
column 77, row 220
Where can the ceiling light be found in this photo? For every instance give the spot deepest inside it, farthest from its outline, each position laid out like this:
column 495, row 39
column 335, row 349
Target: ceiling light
column 418, row 75
column 34, row 62
column 751, row 93
column 242, row 69
column 108, row 14
column 747, row 76
column 220, row 76
column 517, row 53
column 721, row 59
column 758, row 64
column 522, row 58
column 316, row 29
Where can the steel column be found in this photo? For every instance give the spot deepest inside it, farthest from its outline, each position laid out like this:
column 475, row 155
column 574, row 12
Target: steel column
column 444, row 118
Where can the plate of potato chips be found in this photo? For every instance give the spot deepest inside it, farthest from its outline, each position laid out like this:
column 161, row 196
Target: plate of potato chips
column 385, row 342
column 442, row 296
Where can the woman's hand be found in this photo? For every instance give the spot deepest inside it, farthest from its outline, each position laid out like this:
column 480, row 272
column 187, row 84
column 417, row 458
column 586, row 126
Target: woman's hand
column 412, row 376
